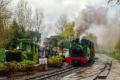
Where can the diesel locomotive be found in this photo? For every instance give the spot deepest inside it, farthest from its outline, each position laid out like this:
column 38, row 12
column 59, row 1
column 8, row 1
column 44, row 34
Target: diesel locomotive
column 80, row 52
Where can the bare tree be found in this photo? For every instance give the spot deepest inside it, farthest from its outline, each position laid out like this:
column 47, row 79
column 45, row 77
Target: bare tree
column 4, row 12
column 38, row 19
column 5, row 31
column 61, row 23
column 24, row 14
column 116, row 1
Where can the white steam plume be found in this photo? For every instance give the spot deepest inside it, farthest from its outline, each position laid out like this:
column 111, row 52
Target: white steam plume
column 102, row 22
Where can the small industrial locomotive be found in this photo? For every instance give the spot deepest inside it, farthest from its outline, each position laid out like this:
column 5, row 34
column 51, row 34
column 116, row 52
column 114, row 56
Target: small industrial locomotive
column 80, row 52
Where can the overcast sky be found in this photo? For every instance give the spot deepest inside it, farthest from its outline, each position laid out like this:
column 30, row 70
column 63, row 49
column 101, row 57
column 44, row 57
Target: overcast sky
column 54, row 8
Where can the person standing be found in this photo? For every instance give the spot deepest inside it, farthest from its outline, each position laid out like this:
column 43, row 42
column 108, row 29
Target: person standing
column 60, row 51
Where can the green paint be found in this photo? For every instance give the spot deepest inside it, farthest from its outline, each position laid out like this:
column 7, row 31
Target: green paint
column 29, row 48
column 2, row 55
column 84, row 44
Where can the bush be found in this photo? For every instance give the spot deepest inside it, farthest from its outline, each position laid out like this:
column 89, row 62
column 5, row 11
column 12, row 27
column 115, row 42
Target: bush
column 55, row 61
column 27, row 65
column 23, row 66
column 12, row 66
column 3, row 68
column 24, row 55
column 115, row 54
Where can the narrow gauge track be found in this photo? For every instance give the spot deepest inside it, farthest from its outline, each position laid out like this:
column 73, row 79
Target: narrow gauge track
column 51, row 74
column 102, row 75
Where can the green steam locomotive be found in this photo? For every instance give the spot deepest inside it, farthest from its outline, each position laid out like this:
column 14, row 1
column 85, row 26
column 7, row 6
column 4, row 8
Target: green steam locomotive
column 81, row 52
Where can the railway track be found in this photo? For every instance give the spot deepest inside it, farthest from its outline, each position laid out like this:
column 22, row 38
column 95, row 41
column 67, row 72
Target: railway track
column 102, row 75
column 46, row 75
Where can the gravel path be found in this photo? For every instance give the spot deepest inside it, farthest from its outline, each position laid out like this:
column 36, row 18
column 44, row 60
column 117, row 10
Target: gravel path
column 115, row 71
column 91, row 72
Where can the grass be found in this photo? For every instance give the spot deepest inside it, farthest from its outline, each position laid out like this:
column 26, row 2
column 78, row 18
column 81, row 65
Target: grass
column 114, row 54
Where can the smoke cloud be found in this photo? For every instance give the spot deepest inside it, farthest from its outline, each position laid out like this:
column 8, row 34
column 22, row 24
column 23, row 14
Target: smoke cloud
column 102, row 22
